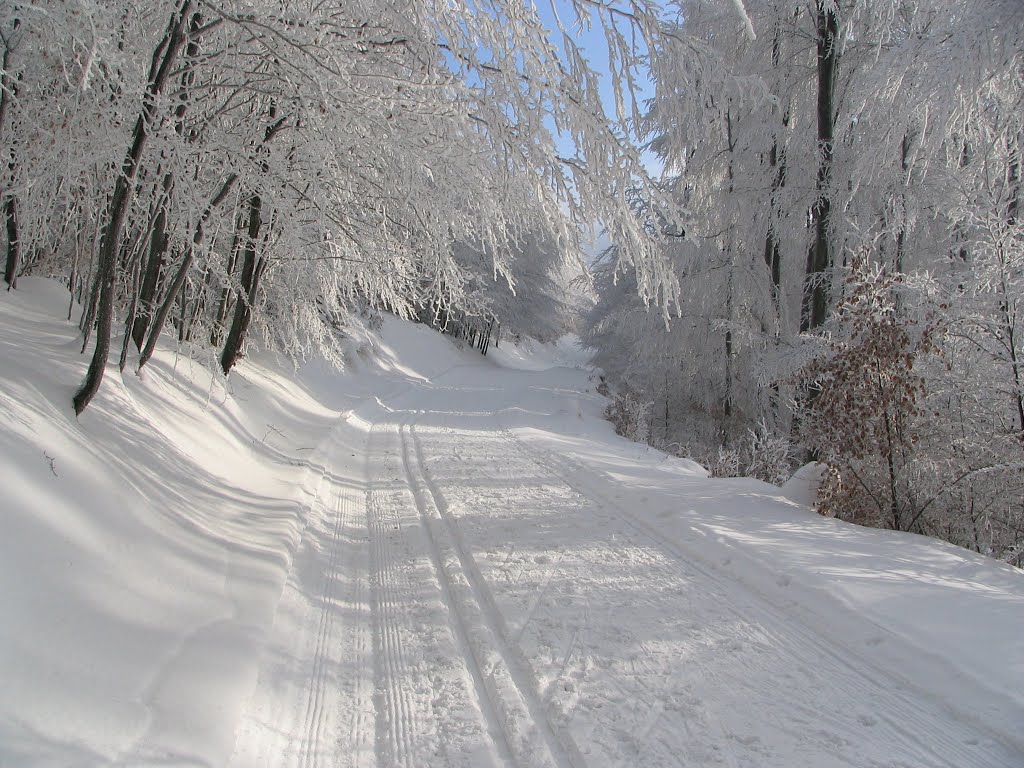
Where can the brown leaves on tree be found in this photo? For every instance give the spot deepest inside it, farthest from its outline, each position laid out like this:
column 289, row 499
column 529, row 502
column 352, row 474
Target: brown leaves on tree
column 864, row 400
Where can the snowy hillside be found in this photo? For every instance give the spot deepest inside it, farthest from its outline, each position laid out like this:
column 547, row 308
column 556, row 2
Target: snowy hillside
column 441, row 559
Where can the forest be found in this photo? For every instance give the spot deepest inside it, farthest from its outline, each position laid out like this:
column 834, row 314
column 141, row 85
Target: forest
column 825, row 262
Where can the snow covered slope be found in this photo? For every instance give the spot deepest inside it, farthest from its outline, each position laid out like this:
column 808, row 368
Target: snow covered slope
column 440, row 559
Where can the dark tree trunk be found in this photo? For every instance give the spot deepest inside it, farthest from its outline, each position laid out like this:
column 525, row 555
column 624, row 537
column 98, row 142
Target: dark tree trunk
column 8, row 89
column 159, row 240
column 727, row 404
column 183, row 302
column 153, row 272
column 92, row 298
column 253, row 265
column 73, row 276
column 1009, row 318
column 819, row 256
column 132, row 311
column 772, row 249
column 777, row 161
column 224, row 305
column 252, row 269
column 13, row 244
column 179, row 277
column 901, row 234
column 106, row 276
column 165, row 309
column 163, row 60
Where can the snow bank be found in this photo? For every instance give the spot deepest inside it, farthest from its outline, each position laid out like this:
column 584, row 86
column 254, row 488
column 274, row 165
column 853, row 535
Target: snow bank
column 802, row 487
column 144, row 545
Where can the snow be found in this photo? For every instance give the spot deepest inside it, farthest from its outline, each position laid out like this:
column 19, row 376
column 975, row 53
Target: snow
column 442, row 559
column 802, row 487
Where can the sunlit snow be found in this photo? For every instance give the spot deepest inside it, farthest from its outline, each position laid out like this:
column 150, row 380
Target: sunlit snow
column 443, row 559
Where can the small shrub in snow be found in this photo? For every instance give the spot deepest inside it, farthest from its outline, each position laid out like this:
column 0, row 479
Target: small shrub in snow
column 629, row 415
column 727, row 463
column 769, row 456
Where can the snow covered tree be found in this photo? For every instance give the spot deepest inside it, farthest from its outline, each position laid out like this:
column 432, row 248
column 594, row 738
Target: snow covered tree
column 264, row 166
column 834, row 136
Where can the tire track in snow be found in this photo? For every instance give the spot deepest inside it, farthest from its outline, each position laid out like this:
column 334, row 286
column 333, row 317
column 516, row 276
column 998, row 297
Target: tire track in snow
column 395, row 721
column 902, row 715
column 507, row 694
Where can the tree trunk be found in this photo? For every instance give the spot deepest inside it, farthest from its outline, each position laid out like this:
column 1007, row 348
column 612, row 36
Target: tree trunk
column 163, row 60
column 772, row 249
column 13, row 246
column 1010, row 317
column 252, row 270
column 92, row 277
column 727, row 404
column 159, row 240
column 73, row 276
column 179, row 278
column 819, row 256
column 132, row 311
column 901, row 235
column 252, row 267
column 777, row 161
column 158, row 243
column 224, row 305
column 7, row 90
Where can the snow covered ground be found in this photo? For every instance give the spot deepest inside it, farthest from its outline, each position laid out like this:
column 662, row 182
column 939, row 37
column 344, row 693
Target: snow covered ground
column 440, row 559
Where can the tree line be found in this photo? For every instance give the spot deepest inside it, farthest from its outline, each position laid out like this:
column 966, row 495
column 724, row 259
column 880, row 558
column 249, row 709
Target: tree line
column 214, row 170
column 851, row 280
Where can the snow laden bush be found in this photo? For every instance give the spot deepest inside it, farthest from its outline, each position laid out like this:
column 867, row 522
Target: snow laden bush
column 914, row 416
column 864, row 414
column 726, row 463
column 759, row 453
column 630, row 416
column 770, row 456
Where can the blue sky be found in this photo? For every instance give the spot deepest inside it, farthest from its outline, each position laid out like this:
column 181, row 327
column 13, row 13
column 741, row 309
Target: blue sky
column 591, row 40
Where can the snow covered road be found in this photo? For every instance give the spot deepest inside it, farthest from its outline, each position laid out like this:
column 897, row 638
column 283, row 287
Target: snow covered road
column 524, row 608
column 442, row 560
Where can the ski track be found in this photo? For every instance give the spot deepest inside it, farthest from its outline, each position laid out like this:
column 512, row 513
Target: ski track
column 503, row 677
column 314, row 689
column 486, row 602
column 436, row 702
column 675, row 710
column 315, row 710
column 395, row 724
column 565, row 673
